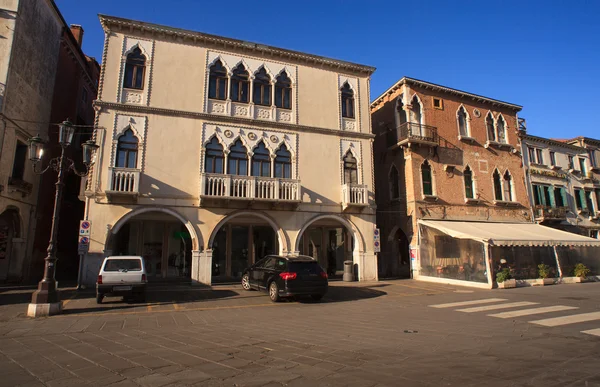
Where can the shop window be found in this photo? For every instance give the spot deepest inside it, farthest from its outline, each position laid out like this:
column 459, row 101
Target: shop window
column 350, row 169
column 213, row 160
column 261, row 93
column 127, row 150
column 238, row 159
column 135, row 67
column 261, row 161
column 468, row 177
column 426, row 179
column 347, row 101
column 446, row 247
column 239, row 84
column 283, row 163
column 217, row 81
column 283, row 91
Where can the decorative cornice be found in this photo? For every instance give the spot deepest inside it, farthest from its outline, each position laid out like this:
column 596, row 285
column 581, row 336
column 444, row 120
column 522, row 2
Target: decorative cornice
column 140, row 109
column 584, row 141
column 444, row 89
column 109, row 22
column 548, row 141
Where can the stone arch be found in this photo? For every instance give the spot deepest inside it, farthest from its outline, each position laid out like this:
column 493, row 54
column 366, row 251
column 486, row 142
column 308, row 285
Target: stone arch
column 142, row 49
column 282, row 237
column 288, row 73
column 197, row 240
column 223, row 62
column 12, row 213
column 359, row 245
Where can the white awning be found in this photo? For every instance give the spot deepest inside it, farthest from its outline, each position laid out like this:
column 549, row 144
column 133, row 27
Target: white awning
column 510, row 234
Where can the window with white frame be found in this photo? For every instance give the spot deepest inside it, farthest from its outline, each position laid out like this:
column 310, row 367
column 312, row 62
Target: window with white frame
column 135, row 68
column 503, row 186
column 552, row 158
column 261, row 161
column 490, row 126
column 463, row 122
column 127, row 150
column 501, row 130
column 237, row 159
column 539, row 156
column 217, row 81
column 240, row 84
column 347, row 101
column 508, row 186
column 261, row 88
column 283, row 163
column 469, row 186
column 214, row 157
column 426, row 178
column 283, row 91
column 350, row 169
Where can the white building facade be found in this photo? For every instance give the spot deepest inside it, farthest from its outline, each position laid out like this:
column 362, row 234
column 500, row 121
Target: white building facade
column 215, row 152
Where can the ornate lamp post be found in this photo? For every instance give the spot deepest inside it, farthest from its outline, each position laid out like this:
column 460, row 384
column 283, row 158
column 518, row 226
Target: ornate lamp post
column 45, row 300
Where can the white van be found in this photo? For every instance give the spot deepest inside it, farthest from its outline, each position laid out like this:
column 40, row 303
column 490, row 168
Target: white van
column 122, row 275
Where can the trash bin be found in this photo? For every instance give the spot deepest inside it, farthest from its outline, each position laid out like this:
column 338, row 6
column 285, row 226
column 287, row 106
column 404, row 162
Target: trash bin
column 348, row 271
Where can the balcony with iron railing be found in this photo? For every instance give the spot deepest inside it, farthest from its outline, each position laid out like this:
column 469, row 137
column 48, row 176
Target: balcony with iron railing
column 410, row 133
column 544, row 213
column 354, row 195
column 123, row 182
column 237, row 187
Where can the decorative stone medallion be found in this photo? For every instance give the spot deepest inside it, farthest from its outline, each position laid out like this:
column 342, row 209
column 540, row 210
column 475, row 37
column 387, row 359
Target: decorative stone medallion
column 476, row 113
column 228, row 133
column 274, row 138
column 252, row 136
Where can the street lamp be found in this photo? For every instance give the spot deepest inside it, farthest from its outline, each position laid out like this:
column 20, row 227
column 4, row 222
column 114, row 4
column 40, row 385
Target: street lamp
column 45, row 300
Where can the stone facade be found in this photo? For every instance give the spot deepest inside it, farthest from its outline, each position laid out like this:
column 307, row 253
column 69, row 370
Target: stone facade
column 225, row 214
column 416, row 121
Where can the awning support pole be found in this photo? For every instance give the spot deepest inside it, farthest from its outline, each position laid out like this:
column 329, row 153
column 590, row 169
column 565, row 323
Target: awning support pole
column 488, row 264
column 560, row 273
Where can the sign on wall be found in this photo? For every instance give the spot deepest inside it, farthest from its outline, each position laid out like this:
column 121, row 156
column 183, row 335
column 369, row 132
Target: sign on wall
column 377, row 240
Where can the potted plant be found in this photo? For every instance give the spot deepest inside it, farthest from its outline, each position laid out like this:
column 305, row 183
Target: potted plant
column 544, row 272
column 505, row 280
column 581, row 272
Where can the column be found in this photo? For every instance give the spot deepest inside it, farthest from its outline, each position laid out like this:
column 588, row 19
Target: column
column 201, row 267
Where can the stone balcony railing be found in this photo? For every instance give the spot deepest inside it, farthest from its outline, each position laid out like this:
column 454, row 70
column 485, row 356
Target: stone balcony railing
column 123, row 182
column 214, row 185
column 550, row 213
column 354, row 195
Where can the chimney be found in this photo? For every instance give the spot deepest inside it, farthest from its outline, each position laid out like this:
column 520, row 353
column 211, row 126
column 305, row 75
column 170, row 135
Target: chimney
column 77, row 32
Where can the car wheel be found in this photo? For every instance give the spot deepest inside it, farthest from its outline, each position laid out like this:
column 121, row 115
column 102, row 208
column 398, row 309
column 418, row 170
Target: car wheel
column 316, row 297
column 246, row 282
column 274, row 291
column 99, row 298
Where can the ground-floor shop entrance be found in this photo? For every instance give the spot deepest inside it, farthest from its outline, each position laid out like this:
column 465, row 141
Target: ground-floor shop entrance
column 162, row 240
column 330, row 244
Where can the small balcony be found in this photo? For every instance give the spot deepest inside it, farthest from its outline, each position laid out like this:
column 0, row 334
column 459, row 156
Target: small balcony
column 123, row 183
column 236, row 187
column 545, row 213
column 354, row 195
column 411, row 133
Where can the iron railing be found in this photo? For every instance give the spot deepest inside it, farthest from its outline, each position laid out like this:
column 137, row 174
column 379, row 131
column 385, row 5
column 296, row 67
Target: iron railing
column 410, row 132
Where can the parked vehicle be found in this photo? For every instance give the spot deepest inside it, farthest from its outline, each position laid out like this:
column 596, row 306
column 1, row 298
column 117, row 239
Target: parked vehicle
column 122, row 276
column 286, row 277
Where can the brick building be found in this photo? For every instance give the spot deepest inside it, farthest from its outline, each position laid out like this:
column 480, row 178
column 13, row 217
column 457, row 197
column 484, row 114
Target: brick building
column 451, row 196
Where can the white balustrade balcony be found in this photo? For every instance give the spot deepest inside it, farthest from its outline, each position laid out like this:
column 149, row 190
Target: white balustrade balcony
column 214, row 185
column 123, row 182
column 354, row 195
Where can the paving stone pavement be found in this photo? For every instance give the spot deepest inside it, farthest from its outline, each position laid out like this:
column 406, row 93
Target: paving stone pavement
column 376, row 334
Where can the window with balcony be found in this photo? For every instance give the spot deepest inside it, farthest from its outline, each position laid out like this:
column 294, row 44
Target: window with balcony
column 501, row 129
column 394, row 181
column 491, row 130
column 560, row 196
column 261, row 161
column 416, row 115
column 283, row 91
column 127, row 150
column 463, row 122
column 237, row 160
column 347, row 101
column 497, row 185
column 217, row 81
column 135, row 67
column 582, row 166
column 426, row 179
column 468, row 178
column 261, row 93
column 240, row 84
column 283, row 163
column 350, row 169
column 213, row 158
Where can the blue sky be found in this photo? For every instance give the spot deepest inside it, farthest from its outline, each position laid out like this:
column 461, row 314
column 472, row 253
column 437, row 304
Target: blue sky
column 543, row 55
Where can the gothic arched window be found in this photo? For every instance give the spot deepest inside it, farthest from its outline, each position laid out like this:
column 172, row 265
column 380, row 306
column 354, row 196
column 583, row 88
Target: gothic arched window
column 135, row 67
column 127, row 150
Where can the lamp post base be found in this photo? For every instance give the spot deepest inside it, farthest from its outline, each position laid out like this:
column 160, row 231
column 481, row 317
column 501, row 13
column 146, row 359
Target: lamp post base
column 44, row 310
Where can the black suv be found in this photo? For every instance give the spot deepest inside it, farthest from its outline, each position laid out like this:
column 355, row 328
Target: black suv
column 287, row 277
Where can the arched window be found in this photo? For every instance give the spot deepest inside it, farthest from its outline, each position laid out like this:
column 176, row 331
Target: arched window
column 469, row 189
column 489, row 123
column 507, row 187
column 283, row 91
column 127, row 150
column 239, row 84
column 134, row 70
column 213, row 159
column 237, row 161
column 497, row 185
column 350, row 169
column 415, row 111
column 347, row 101
column 262, row 88
column 217, row 82
column 463, row 124
column 261, row 161
column 283, row 163
column 501, row 126
column 426, row 178
column 401, row 113
column 394, row 183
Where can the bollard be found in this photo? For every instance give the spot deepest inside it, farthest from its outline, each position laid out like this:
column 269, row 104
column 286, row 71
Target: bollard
column 348, row 271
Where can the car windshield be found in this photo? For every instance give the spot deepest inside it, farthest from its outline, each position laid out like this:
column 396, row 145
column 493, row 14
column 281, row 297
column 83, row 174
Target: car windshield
column 305, row 267
column 123, row 265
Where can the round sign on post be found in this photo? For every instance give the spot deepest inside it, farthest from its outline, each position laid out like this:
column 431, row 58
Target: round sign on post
column 85, row 225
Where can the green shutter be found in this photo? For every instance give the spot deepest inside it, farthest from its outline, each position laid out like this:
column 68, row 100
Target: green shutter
column 552, row 198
